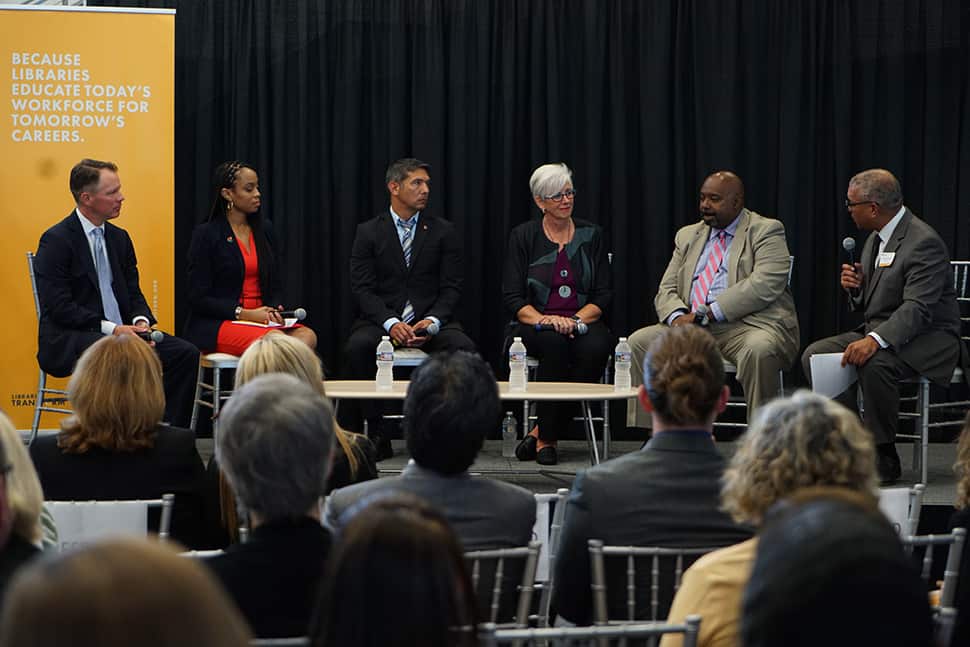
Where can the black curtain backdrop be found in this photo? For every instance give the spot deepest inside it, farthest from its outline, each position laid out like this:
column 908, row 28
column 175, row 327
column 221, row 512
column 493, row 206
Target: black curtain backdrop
column 641, row 99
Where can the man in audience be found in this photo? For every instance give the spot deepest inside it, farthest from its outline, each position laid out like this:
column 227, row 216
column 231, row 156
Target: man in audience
column 406, row 274
column 274, row 444
column 451, row 405
column 87, row 283
column 15, row 550
column 729, row 272
column 911, row 319
column 666, row 494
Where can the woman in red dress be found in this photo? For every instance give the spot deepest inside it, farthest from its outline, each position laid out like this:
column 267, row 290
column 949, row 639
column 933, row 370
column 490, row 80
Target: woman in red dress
column 234, row 278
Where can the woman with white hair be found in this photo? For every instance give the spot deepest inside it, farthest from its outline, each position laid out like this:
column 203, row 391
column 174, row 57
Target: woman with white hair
column 556, row 284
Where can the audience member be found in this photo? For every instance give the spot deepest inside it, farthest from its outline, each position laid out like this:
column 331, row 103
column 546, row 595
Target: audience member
column 556, row 282
column 733, row 264
column 961, row 519
column 452, row 403
column 911, row 324
column 114, row 445
column 87, row 285
column 793, row 443
column 354, row 458
column 234, row 269
column 665, row 494
column 19, row 509
column 398, row 577
column 119, row 593
column 32, row 522
column 406, row 274
column 274, row 443
column 830, row 571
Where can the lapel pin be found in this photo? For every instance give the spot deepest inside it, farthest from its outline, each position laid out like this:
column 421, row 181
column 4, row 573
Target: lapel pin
column 228, row 239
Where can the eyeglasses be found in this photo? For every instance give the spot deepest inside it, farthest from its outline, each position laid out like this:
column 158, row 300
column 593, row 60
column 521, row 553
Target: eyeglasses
column 849, row 205
column 557, row 197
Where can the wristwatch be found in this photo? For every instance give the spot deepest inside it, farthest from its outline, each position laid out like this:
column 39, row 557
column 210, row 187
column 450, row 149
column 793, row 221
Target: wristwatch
column 576, row 319
column 238, row 311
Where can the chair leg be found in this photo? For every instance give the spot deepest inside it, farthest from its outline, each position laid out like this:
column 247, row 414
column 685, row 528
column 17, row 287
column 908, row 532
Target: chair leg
column 924, row 428
column 216, row 397
column 38, row 404
column 198, row 395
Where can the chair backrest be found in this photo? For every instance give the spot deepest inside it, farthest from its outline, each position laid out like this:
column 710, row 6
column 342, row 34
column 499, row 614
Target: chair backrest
column 902, row 507
column 944, row 620
column 280, row 642
column 791, row 268
column 33, row 283
column 490, row 636
column 622, row 593
column 84, row 522
column 961, row 285
column 552, row 549
column 504, row 581
column 951, row 572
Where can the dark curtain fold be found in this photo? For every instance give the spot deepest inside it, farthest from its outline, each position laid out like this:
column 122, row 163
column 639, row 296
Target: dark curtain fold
column 641, row 99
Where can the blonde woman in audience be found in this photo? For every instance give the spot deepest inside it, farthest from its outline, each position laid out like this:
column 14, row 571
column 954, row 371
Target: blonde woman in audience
column 31, row 521
column 119, row 593
column 18, row 514
column 354, row 458
column 961, row 519
column 802, row 441
column 114, row 446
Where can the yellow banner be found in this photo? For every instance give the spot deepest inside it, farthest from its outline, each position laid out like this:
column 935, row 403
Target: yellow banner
column 79, row 83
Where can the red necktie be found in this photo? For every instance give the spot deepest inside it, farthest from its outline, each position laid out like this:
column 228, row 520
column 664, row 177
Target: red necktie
column 706, row 278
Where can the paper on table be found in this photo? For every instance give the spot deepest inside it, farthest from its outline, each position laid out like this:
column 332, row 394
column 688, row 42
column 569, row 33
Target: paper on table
column 829, row 377
column 287, row 323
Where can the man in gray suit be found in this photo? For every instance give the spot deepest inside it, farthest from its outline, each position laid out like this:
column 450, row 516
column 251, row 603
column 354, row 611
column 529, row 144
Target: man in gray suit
column 911, row 319
column 451, row 404
column 733, row 264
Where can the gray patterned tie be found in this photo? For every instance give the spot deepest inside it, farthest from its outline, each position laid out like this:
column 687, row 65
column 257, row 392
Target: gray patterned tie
column 111, row 311
column 407, row 227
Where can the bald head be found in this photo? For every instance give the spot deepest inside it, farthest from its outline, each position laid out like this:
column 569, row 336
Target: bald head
column 721, row 199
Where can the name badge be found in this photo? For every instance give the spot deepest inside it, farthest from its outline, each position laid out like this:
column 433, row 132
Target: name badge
column 886, row 259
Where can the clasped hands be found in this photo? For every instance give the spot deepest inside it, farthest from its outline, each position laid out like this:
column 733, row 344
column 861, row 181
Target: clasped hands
column 262, row 314
column 562, row 325
column 404, row 334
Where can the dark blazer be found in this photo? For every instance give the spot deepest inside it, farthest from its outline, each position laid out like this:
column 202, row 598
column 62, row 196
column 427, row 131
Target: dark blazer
column 70, row 300
column 381, row 281
column 484, row 513
column 274, row 577
column 216, row 273
column 172, row 466
column 912, row 304
column 961, row 631
column 667, row 494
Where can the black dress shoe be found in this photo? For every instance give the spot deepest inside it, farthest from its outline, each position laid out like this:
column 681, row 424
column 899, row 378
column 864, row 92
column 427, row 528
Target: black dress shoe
column 887, row 464
column 547, row 456
column 526, row 449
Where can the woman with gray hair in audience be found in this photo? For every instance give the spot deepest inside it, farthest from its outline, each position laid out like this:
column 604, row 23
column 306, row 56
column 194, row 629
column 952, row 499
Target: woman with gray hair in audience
column 274, row 445
column 797, row 442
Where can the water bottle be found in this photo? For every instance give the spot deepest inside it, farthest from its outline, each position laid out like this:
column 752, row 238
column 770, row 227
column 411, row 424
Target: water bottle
column 509, row 435
column 385, row 364
column 622, row 357
column 517, row 369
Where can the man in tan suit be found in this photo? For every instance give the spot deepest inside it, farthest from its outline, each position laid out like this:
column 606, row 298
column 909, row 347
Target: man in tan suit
column 734, row 266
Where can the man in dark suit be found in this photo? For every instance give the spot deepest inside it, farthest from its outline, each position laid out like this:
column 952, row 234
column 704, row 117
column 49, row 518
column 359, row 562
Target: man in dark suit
column 452, row 403
column 405, row 272
column 87, row 282
column 912, row 322
column 666, row 494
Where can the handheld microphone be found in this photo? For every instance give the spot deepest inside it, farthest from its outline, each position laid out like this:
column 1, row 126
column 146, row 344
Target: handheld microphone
column 848, row 244
column 702, row 315
column 299, row 314
column 151, row 335
column 430, row 331
column 581, row 328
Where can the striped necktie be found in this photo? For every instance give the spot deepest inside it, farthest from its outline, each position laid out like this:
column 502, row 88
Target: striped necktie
column 407, row 229
column 706, row 278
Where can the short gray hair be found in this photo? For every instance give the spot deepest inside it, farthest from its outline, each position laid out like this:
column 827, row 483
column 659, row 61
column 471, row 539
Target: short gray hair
column 273, row 444
column 880, row 186
column 549, row 179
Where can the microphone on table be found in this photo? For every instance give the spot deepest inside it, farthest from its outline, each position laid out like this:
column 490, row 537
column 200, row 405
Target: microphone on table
column 299, row 314
column 581, row 328
column 848, row 244
column 702, row 315
column 430, row 331
column 151, row 335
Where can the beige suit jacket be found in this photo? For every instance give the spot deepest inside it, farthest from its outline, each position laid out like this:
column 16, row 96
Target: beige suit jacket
column 758, row 265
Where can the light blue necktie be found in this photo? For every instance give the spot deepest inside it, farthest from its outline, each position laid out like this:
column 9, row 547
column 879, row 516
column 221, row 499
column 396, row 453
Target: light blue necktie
column 111, row 311
column 406, row 239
